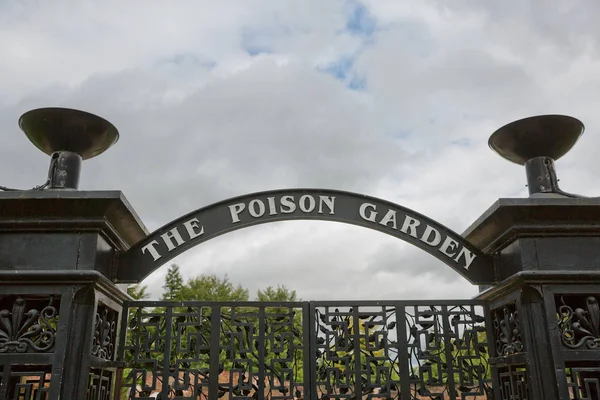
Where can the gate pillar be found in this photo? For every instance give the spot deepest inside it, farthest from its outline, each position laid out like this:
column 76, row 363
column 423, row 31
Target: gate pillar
column 59, row 307
column 545, row 308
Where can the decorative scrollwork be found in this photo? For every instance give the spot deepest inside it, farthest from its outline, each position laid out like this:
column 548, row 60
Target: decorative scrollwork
column 357, row 352
column 579, row 322
column 150, row 343
column 374, row 350
column 23, row 330
column 103, row 342
column 507, row 330
column 253, row 349
column 448, row 352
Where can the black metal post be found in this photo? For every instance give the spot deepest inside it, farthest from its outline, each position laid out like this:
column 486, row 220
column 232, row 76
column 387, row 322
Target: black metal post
column 65, row 168
column 545, row 306
column 541, row 176
column 59, row 305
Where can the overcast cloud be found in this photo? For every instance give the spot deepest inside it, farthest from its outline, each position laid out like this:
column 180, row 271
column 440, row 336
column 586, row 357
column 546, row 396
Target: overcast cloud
column 388, row 98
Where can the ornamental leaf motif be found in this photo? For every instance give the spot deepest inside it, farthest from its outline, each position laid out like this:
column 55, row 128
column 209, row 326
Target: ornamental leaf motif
column 580, row 326
column 103, row 342
column 23, row 330
column 507, row 331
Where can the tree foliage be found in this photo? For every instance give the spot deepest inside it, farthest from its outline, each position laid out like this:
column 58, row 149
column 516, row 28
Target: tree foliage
column 173, row 284
column 279, row 293
column 138, row 292
column 210, row 287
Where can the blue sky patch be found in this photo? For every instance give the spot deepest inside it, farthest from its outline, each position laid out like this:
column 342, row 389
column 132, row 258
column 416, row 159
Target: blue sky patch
column 339, row 68
column 342, row 70
column 360, row 21
column 257, row 41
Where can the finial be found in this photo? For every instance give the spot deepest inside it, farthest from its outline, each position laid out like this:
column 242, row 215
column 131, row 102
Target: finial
column 537, row 142
column 68, row 136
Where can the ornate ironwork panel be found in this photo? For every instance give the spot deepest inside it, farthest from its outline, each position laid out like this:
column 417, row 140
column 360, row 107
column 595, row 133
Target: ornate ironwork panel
column 448, row 351
column 31, row 382
column 357, row 351
column 507, row 330
column 583, row 381
column 316, row 350
column 393, row 350
column 213, row 350
column 28, row 324
column 105, row 332
column 28, row 335
column 579, row 321
column 100, row 384
column 513, row 383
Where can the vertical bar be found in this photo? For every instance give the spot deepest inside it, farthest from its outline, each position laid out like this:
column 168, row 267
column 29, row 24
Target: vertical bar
column 167, row 352
column 117, row 386
column 491, row 342
column 60, row 346
column 403, row 356
column 309, row 348
column 215, row 350
column 555, row 343
column 357, row 353
column 532, row 317
column 75, row 377
column 5, row 380
column 448, row 353
column 261, row 352
column 123, row 331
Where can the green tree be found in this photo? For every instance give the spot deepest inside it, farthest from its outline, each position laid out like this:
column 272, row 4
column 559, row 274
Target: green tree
column 138, row 292
column 209, row 287
column 173, row 284
column 279, row 293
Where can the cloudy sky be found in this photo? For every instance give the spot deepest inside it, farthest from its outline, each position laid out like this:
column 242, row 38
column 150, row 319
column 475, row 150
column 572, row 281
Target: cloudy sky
column 392, row 99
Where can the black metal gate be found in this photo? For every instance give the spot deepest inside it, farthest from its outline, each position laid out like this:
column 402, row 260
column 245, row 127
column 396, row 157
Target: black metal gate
column 304, row 350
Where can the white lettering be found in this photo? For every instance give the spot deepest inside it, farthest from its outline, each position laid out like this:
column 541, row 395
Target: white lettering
column 390, row 216
column 288, row 201
column 448, row 246
column 426, row 237
column 235, row 210
column 168, row 239
column 252, row 208
column 328, row 201
column 363, row 209
column 311, row 203
column 410, row 224
column 191, row 226
column 152, row 250
column 272, row 209
column 469, row 257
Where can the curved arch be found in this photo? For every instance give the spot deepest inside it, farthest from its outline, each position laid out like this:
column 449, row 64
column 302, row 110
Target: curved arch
column 226, row 216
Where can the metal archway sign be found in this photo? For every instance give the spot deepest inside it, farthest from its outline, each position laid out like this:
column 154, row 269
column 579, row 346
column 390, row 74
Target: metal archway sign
column 229, row 215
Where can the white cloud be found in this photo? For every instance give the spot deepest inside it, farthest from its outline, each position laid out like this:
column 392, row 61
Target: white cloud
column 215, row 99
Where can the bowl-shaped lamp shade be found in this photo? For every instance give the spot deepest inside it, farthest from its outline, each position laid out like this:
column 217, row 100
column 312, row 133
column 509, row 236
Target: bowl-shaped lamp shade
column 65, row 129
column 540, row 136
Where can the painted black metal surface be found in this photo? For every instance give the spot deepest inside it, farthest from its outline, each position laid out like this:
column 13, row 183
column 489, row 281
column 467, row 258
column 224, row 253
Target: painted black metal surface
column 305, row 350
column 539, row 136
column 304, row 204
column 64, row 129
